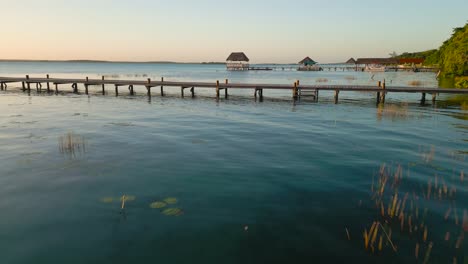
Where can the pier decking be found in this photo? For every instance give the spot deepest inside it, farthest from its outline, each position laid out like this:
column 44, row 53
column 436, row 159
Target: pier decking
column 296, row 88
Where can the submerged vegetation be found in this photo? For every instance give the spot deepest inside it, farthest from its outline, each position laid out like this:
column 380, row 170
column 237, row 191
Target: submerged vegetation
column 451, row 57
column 72, row 145
column 421, row 218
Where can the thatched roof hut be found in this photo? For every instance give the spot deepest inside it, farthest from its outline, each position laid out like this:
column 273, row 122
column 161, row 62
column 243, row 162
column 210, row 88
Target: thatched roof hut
column 307, row 61
column 237, row 61
column 238, row 56
column 351, row 61
column 378, row 61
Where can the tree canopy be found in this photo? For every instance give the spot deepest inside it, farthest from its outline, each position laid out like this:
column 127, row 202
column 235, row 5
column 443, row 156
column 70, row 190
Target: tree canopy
column 451, row 57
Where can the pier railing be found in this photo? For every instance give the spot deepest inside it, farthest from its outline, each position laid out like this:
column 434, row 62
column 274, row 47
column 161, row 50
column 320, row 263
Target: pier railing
column 297, row 89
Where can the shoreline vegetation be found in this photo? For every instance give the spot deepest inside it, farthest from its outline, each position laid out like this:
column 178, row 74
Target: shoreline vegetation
column 451, row 57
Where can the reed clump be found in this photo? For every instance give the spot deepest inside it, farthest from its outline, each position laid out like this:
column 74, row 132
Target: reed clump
column 393, row 111
column 403, row 217
column 415, row 83
column 72, row 145
column 322, row 80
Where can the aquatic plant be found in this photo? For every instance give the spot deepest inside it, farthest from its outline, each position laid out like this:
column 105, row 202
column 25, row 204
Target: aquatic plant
column 404, row 216
column 350, row 78
column 72, row 144
column 170, row 200
column 415, row 83
column 173, row 212
column 158, row 205
column 321, row 80
column 393, row 111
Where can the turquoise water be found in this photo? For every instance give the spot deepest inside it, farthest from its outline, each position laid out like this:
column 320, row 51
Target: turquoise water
column 255, row 182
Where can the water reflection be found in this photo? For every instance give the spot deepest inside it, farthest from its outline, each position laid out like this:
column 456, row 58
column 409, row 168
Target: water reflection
column 72, row 145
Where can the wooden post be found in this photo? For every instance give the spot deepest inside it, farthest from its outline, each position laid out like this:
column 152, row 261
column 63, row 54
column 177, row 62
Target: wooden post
column 295, row 91
column 103, row 87
column 27, row 83
column 383, row 95
column 316, row 95
column 116, row 90
column 131, row 90
column 255, row 93
column 182, row 91
column 379, row 84
column 23, row 85
column 434, row 97
column 226, row 90
column 162, row 87
column 261, row 94
column 56, row 88
column 1, row 84
column 193, row 92
column 423, row 98
column 75, row 87
column 217, row 89
column 86, row 85
column 48, row 84
column 148, row 87
column 337, row 92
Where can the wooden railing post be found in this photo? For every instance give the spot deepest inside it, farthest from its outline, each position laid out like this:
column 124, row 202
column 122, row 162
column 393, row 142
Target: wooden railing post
column 217, row 89
column 379, row 84
column 226, row 90
column 148, row 87
column 27, row 83
column 384, row 93
column 162, row 87
column 86, row 85
column 48, row 84
column 103, row 87
column 337, row 92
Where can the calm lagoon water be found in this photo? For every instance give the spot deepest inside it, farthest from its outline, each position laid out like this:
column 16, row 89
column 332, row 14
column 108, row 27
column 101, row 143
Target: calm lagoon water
column 254, row 182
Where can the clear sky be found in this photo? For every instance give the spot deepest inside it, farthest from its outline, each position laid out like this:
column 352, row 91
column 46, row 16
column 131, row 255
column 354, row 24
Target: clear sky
column 208, row 30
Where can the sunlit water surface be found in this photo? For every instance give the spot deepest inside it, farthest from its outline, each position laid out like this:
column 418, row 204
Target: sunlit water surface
column 253, row 182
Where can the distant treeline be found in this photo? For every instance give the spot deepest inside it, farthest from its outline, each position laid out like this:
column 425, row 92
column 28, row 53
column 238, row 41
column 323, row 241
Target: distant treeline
column 451, row 57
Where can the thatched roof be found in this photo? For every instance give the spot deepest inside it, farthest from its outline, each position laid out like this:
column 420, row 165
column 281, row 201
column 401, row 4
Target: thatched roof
column 381, row 61
column 351, row 61
column 237, row 56
column 307, row 60
column 410, row 60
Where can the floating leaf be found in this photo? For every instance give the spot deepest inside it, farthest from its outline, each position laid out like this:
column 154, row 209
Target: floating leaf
column 173, row 212
column 170, row 200
column 158, row 205
column 107, row 200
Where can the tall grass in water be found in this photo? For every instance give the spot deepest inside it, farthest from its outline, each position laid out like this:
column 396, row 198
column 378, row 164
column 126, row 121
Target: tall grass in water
column 72, row 145
column 321, row 80
column 393, row 112
column 415, row 83
column 423, row 218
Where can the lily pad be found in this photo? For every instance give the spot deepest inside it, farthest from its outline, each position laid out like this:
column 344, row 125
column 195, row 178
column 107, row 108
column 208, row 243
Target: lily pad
column 158, row 205
column 170, row 200
column 107, row 200
column 173, row 212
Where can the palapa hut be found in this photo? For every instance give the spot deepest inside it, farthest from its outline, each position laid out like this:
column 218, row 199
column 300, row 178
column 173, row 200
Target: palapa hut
column 237, row 61
column 351, row 61
column 308, row 64
column 307, row 61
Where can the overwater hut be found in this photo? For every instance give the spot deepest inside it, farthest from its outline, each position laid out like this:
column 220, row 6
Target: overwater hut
column 410, row 61
column 237, row 61
column 351, row 61
column 377, row 61
column 308, row 64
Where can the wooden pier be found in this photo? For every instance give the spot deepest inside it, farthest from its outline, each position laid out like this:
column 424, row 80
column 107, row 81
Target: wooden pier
column 297, row 89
